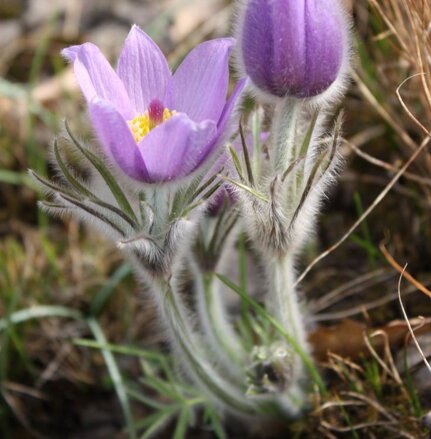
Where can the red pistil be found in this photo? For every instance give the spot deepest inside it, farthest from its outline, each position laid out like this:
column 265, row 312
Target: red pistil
column 155, row 111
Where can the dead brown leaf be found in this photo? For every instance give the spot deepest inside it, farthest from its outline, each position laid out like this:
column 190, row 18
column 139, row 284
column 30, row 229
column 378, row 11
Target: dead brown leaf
column 346, row 339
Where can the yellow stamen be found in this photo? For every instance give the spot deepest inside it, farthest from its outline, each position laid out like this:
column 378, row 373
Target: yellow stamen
column 142, row 124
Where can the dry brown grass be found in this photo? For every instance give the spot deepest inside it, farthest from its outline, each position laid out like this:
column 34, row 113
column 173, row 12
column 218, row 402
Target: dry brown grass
column 403, row 75
column 410, row 22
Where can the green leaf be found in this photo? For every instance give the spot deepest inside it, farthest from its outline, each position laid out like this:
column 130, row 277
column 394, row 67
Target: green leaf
column 237, row 163
column 161, row 387
column 308, row 135
column 53, row 186
column 334, row 146
column 81, row 189
column 203, row 187
column 229, row 225
column 210, row 192
column 246, row 156
column 291, row 167
column 156, row 422
column 203, row 198
column 110, row 180
column 246, row 188
column 145, row 400
column 70, row 178
column 83, row 206
column 211, row 247
column 51, row 205
column 182, row 423
column 308, row 187
column 213, row 417
column 257, row 146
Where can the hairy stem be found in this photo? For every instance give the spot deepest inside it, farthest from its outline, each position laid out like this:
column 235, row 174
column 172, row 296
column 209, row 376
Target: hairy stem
column 284, row 130
column 215, row 322
column 283, row 304
column 196, row 360
column 198, row 363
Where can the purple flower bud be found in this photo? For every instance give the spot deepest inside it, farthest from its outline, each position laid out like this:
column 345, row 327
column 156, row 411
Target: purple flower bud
column 293, row 47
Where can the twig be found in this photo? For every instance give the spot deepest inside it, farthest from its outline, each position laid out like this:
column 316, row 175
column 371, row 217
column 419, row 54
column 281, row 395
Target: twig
column 403, row 271
column 379, row 198
column 406, row 108
column 383, row 112
column 380, row 163
column 427, row 364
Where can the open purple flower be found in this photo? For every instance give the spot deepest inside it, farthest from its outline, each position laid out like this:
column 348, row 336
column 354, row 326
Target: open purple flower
column 156, row 126
column 293, row 47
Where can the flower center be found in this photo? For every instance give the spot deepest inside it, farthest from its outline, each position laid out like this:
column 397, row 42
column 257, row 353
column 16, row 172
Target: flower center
column 156, row 114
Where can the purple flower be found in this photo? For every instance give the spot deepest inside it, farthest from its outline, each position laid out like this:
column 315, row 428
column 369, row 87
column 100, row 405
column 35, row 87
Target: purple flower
column 292, row 47
column 156, row 126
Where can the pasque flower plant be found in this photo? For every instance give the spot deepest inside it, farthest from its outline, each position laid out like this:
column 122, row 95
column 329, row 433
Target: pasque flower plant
column 296, row 53
column 167, row 145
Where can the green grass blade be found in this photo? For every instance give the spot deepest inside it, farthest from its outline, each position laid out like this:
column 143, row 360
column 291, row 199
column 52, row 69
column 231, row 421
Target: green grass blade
column 125, row 350
column 371, row 249
column 38, row 312
column 108, row 289
column 115, row 375
column 15, row 178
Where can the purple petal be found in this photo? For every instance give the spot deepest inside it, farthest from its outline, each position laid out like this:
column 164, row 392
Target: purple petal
column 324, row 46
column 143, row 69
column 257, row 43
column 175, row 148
column 116, row 139
column 273, row 43
column 226, row 123
column 292, row 47
column 97, row 78
column 200, row 84
column 231, row 105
